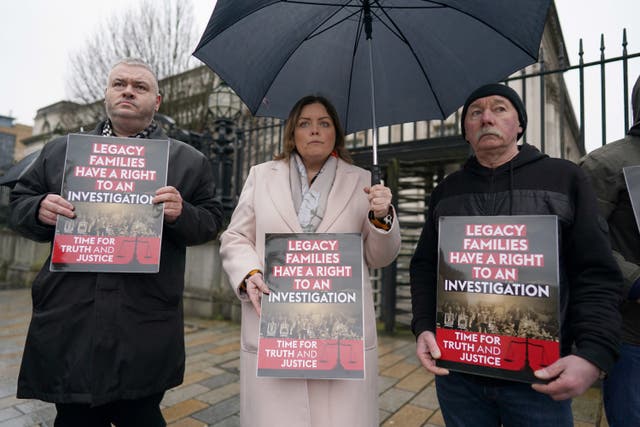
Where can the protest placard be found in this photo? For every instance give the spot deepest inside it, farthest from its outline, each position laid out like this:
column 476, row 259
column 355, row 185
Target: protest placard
column 111, row 183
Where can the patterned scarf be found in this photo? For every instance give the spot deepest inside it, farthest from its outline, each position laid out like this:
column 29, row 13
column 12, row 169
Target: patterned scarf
column 311, row 201
column 108, row 131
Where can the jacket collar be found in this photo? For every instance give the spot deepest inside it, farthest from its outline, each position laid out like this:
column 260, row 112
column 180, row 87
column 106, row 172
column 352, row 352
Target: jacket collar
column 526, row 154
column 343, row 190
column 341, row 193
column 158, row 132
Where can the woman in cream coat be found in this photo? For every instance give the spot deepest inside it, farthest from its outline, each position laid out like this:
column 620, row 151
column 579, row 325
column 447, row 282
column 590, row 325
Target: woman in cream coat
column 310, row 187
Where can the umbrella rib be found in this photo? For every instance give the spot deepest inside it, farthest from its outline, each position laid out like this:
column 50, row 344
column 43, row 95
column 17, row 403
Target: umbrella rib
column 341, row 6
column 518, row 45
column 397, row 34
column 402, row 37
column 353, row 56
column 313, row 3
column 312, row 35
column 206, row 38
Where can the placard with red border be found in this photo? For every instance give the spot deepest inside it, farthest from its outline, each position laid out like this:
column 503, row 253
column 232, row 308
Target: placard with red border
column 311, row 324
column 498, row 305
column 111, row 183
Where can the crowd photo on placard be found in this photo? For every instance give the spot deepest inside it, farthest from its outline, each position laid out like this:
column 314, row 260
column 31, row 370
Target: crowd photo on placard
column 515, row 320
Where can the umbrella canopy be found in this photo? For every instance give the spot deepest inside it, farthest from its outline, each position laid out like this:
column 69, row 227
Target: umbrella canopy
column 15, row 172
column 421, row 61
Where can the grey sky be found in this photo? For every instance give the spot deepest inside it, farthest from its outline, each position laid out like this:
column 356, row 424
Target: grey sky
column 38, row 35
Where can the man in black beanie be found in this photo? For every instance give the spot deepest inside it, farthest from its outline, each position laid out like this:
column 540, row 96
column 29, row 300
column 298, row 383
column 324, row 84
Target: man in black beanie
column 504, row 178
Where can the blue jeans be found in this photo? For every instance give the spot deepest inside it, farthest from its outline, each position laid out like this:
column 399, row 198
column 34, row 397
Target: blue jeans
column 465, row 402
column 621, row 389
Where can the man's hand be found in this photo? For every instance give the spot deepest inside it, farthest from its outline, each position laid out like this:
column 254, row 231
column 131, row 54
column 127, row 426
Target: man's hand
column 572, row 376
column 52, row 206
column 255, row 288
column 172, row 203
column 428, row 351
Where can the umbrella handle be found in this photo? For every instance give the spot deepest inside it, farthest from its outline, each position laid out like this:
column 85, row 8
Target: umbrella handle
column 375, row 174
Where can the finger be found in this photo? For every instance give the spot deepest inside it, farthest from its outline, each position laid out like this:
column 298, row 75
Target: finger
column 553, row 391
column 558, row 387
column 256, row 305
column 56, row 210
column 255, row 300
column 425, row 359
column 167, row 198
column 379, row 202
column 541, row 388
column 56, row 200
column 430, row 364
column 380, row 189
column 173, row 206
column 435, row 352
column 54, row 203
column 52, row 209
column 46, row 217
column 165, row 194
column 549, row 372
column 167, row 189
column 263, row 288
column 436, row 370
column 259, row 282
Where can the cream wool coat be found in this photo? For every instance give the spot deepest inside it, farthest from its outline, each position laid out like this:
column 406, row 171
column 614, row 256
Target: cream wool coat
column 266, row 206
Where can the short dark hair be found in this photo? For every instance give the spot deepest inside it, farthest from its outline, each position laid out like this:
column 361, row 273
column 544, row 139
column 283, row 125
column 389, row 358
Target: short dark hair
column 137, row 62
column 289, row 143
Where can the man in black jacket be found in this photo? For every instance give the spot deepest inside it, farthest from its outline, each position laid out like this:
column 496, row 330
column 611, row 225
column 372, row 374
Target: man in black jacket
column 504, row 178
column 604, row 167
column 104, row 347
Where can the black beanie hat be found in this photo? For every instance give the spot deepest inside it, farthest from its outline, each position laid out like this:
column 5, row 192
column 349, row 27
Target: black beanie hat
column 497, row 89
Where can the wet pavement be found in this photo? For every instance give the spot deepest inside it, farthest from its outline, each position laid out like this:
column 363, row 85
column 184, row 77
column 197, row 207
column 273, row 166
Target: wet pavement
column 209, row 395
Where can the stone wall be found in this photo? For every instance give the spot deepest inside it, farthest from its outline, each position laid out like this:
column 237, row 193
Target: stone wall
column 20, row 259
column 207, row 292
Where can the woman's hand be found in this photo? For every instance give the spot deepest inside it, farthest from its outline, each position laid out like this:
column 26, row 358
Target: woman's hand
column 255, row 288
column 379, row 199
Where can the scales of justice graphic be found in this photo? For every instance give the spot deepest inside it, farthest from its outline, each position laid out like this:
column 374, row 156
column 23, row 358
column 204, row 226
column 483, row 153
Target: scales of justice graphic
column 339, row 364
column 528, row 365
column 140, row 246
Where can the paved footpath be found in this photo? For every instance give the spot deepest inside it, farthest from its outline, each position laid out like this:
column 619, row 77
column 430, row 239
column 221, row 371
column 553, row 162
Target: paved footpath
column 209, row 395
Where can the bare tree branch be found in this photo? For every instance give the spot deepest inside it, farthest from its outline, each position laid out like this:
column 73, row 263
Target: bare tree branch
column 161, row 33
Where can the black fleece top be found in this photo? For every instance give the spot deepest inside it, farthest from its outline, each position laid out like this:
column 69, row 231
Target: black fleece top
column 532, row 183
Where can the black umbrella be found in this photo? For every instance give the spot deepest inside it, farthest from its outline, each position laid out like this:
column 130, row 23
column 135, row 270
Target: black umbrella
column 379, row 62
column 15, row 172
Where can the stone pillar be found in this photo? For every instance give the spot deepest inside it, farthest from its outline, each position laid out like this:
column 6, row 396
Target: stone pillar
column 207, row 292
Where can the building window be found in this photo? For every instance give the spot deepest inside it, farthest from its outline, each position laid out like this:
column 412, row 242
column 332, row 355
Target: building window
column 7, row 147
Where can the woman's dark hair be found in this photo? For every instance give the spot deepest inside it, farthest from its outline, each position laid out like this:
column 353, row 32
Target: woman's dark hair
column 289, row 143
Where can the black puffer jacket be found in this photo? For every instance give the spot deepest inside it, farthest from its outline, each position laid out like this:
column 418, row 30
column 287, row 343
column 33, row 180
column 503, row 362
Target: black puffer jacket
column 534, row 184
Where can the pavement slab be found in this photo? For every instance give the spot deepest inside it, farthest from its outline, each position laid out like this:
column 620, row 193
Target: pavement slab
column 209, row 395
